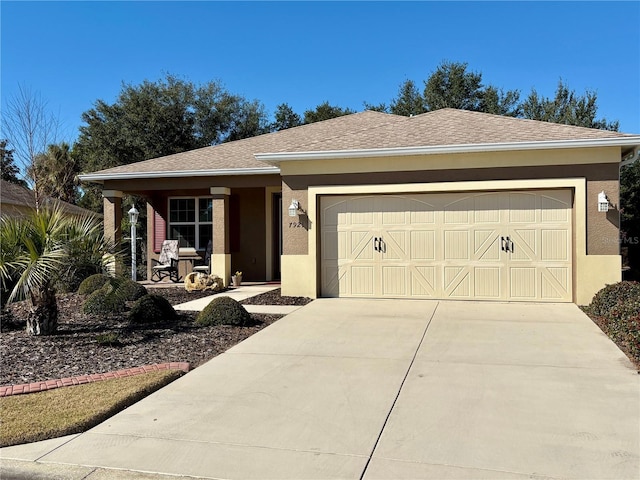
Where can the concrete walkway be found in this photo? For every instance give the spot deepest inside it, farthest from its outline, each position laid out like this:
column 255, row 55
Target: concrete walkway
column 355, row 389
column 242, row 293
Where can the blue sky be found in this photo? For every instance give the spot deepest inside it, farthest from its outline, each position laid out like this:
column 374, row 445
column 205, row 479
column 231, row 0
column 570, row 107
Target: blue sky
column 304, row 53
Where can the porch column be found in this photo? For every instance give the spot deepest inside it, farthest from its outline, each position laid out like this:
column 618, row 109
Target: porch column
column 112, row 208
column 221, row 254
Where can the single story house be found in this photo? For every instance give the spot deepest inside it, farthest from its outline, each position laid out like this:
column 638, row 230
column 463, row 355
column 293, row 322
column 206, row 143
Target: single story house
column 449, row 204
column 17, row 201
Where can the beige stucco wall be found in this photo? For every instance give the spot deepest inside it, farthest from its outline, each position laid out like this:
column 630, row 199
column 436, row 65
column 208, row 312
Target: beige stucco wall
column 456, row 161
column 585, row 171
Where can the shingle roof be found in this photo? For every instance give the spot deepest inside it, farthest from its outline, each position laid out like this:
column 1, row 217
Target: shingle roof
column 13, row 194
column 240, row 154
column 457, row 127
column 368, row 130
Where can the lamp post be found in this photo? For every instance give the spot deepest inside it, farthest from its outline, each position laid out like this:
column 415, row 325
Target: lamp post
column 133, row 220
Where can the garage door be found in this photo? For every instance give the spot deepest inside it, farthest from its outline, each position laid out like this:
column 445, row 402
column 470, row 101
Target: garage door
column 493, row 245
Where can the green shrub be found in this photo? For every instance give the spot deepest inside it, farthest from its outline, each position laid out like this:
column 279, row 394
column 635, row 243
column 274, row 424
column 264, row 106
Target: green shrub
column 151, row 309
column 616, row 309
column 223, row 311
column 618, row 296
column 93, row 283
column 103, row 301
column 128, row 290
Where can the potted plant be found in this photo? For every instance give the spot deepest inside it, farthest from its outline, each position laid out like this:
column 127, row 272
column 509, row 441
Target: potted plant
column 237, row 279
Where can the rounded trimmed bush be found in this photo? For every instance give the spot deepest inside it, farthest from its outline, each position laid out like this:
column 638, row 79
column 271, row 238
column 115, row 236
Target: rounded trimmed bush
column 618, row 296
column 103, row 300
column 128, row 290
column 151, row 309
column 223, row 311
column 93, row 283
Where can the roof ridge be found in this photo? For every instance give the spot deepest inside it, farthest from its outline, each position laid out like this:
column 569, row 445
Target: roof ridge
column 509, row 118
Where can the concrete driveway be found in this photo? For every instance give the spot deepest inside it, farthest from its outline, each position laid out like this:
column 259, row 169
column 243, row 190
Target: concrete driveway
column 360, row 389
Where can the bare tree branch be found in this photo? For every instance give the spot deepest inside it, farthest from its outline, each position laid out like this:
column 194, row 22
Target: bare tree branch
column 30, row 127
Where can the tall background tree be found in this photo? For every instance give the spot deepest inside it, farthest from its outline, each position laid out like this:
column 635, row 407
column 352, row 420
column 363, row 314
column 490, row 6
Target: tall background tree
column 453, row 86
column 10, row 171
column 160, row 118
column 566, row 107
column 409, row 101
column 325, row 111
column 285, row 118
column 30, row 126
column 55, row 173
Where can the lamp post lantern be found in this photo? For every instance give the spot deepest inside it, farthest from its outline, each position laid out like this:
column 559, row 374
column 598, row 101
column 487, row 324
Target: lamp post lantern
column 133, row 220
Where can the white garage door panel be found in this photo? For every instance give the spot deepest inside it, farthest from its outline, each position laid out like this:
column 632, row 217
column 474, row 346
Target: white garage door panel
column 494, row 245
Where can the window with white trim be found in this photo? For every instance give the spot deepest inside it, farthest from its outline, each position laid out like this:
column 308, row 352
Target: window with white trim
column 191, row 221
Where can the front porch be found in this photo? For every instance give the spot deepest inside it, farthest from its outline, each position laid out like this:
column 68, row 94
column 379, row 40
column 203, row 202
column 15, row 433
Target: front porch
column 243, row 222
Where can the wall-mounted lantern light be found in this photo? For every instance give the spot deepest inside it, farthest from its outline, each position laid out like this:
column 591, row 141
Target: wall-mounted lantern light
column 133, row 220
column 603, row 202
column 293, row 208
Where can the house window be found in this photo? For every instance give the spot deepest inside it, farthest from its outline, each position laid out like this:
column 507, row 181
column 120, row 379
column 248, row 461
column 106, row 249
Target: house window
column 190, row 221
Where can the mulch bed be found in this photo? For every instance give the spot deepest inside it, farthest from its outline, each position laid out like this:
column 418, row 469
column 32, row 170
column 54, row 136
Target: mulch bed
column 274, row 297
column 74, row 350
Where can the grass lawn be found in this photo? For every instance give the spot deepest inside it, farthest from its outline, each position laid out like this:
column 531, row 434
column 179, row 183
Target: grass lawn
column 68, row 410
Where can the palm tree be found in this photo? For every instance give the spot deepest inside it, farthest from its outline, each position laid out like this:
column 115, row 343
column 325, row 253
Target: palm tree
column 55, row 173
column 34, row 251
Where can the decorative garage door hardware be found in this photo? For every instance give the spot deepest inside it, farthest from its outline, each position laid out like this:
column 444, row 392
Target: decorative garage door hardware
column 448, row 245
column 506, row 245
column 379, row 245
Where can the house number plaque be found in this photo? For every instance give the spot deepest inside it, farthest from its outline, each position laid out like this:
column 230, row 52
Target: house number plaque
column 295, row 225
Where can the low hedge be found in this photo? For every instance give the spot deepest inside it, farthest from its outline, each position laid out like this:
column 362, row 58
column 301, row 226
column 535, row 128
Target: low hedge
column 112, row 296
column 128, row 290
column 224, row 311
column 151, row 309
column 616, row 310
column 623, row 294
column 103, row 301
column 93, row 283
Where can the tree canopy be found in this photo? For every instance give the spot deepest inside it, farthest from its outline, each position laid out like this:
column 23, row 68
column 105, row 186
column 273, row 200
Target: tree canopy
column 285, row 118
column 409, row 100
column 10, row 170
column 452, row 85
column 566, row 107
column 160, row 118
column 325, row 111
column 55, row 173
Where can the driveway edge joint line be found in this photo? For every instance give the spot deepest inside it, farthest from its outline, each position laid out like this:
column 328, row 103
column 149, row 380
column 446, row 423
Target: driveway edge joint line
column 395, row 400
column 38, row 460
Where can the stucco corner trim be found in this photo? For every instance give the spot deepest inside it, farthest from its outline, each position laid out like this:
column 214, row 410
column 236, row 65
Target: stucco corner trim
column 112, row 194
column 219, row 191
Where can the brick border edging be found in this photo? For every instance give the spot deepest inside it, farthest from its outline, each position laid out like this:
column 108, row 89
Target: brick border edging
column 9, row 390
